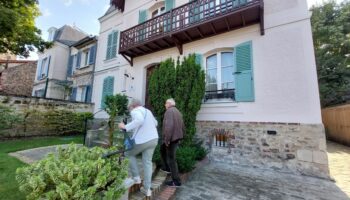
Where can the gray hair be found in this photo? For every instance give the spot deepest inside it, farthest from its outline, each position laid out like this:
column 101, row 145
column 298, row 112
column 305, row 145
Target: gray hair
column 171, row 101
column 135, row 103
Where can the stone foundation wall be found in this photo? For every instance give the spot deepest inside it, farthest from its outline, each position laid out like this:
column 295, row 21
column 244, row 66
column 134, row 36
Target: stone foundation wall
column 286, row 147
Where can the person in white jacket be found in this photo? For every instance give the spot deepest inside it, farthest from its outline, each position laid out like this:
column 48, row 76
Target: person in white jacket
column 144, row 127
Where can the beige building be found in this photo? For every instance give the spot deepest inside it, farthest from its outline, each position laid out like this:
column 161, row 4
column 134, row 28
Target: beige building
column 260, row 70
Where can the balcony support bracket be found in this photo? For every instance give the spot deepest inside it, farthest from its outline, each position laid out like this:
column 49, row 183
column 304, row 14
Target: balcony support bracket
column 130, row 60
column 178, row 44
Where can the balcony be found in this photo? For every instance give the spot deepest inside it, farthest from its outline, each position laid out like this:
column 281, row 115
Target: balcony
column 192, row 21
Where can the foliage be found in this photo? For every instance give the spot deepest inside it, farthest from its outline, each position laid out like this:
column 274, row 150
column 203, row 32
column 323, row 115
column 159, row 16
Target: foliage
column 18, row 33
column 189, row 92
column 115, row 105
column 162, row 87
column 186, row 156
column 8, row 164
column 75, row 173
column 331, row 32
column 8, row 117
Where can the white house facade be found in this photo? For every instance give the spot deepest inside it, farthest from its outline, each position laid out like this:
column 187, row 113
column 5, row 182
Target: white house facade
column 261, row 78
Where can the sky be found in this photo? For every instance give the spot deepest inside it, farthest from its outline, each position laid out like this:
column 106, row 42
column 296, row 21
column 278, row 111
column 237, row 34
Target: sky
column 81, row 13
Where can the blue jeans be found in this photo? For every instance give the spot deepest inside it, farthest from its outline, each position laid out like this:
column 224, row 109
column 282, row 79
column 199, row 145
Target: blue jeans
column 147, row 150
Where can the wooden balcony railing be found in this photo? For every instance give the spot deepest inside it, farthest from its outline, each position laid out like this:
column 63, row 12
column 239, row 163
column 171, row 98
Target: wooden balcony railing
column 195, row 20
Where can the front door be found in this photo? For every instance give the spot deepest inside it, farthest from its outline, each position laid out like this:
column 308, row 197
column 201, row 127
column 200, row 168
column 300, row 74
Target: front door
column 150, row 70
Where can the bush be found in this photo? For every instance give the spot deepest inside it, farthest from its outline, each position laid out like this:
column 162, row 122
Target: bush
column 75, row 173
column 8, row 117
column 186, row 156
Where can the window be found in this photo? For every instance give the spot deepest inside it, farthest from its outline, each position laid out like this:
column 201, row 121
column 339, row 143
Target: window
column 39, row 93
column 158, row 11
column 112, row 45
column 108, row 88
column 219, row 76
column 83, row 93
column 86, row 57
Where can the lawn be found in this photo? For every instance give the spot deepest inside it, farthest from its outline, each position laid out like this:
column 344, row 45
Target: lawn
column 8, row 165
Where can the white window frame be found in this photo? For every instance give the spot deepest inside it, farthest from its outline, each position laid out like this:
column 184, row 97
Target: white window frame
column 42, row 68
column 218, row 73
column 86, row 54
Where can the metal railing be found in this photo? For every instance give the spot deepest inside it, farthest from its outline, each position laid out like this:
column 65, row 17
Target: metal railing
column 220, row 94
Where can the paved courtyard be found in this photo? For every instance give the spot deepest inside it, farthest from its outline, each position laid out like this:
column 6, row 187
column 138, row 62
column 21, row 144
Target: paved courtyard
column 215, row 182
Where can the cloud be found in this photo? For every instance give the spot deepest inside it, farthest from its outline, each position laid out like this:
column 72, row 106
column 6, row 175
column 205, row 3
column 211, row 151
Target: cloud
column 46, row 12
column 70, row 2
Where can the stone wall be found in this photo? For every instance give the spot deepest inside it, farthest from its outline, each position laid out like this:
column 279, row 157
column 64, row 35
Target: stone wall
column 34, row 121
column 18, row 80
column 286, row 147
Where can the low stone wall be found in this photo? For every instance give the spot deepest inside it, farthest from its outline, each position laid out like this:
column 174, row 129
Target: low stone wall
column 22, row 103
column 286, row 147
column 37, row 116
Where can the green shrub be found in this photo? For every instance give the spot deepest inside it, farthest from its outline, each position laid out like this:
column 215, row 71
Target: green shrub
column 8, row 117
column 75, row 173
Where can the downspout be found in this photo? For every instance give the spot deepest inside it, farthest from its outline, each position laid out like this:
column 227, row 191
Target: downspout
column 69, row 52
column 93, row 71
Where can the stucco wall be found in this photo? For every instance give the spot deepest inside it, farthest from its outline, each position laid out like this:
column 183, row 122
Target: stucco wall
column 284, row 67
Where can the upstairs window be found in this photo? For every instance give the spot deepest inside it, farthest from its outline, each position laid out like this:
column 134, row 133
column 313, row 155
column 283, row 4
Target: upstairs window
column 219, row 76
column 112, row 42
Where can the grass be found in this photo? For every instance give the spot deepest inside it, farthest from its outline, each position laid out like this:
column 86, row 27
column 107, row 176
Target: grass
column 8, row 165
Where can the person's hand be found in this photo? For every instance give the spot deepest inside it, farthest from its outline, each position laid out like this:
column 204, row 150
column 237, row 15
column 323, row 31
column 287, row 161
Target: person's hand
column 121, row 125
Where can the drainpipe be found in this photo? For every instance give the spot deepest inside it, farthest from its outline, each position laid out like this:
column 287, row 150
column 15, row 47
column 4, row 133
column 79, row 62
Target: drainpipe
column 46, row 85
column 93, row 70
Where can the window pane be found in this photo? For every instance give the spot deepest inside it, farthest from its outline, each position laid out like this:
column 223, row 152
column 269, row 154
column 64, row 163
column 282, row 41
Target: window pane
column 211, row 76
column 212, row 62
column 226, row 59
column 227, row 74
column 226, row 86
column 211, row 87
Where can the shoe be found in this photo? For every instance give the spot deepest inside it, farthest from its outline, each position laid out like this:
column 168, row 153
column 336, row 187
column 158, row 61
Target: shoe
column 165, row 171
column 148, row 192
column 173, row 184
column 137, row 180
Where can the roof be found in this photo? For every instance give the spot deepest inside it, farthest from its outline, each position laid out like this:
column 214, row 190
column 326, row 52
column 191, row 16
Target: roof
column 111, row 9
column 85, row 41
column 69, row 35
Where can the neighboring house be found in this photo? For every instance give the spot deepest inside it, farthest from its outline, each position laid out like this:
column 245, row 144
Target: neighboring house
column 81, row 67
column 51, row 72
column 17, row 77
column 261, row 81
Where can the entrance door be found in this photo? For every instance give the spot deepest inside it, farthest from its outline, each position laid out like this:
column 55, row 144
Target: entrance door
column 150, row 71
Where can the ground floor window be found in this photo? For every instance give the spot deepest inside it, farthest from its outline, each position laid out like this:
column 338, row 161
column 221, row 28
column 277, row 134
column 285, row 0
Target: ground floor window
column 220, row 82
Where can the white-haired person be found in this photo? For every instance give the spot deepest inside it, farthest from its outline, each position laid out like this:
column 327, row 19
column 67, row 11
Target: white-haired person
column 144, row 127
column 172, row 132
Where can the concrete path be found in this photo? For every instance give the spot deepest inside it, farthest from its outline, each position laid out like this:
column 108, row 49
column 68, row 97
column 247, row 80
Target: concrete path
column 32, row 155
column 339, row 165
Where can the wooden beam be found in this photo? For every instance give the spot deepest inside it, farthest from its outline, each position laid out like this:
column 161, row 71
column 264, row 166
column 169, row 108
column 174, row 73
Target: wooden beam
column 143, row 51
column 243, row 19
column 146, row 45
column 262, row 26
column 188, row 36
column 199, row 31
column 212, row 28
column 227, row 24
column 177, row 43
column 157, row 45
column 130, row 60
column 166, row 42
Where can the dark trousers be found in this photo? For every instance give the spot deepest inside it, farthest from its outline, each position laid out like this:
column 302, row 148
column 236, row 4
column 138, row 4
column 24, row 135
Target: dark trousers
column 168, row 155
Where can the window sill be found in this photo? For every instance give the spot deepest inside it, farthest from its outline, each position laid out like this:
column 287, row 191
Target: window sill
column 84, row 67
column 215, row 103
column 110, row 60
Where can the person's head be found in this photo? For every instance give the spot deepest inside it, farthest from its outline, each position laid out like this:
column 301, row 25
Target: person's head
column 170, row 103
column 134, row 103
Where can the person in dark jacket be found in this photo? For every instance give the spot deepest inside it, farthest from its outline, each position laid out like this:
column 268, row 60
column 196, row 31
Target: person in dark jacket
column 173, row 131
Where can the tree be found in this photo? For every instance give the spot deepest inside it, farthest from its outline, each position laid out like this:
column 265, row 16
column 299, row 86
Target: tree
column 18, row 34
column 189, row 92
column 331, row 32
column 115, row 105
column 161, row 87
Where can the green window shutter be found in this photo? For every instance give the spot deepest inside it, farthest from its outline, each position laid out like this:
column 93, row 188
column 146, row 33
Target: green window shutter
column 109, row 46
column 199, row 60
column 142, row 16
column 114, row 44
column 108, row 87
column 244, row 72
column 169, row 4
